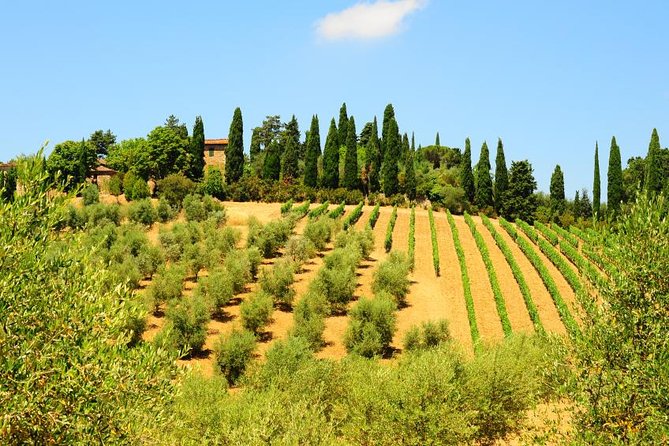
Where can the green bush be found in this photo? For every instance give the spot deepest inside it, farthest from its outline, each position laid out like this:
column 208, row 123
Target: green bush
column 354, row 216
column 338, row 211
column 142, row 212
column 319, row 210
column 300, row 211
column 392, row 277
column 167, row 285
column 213, row 183
column 286, row 207
column 139, row 190
column 194, row 208
column 412, row 239
column 319, row 232
column 547, row 232
column 388, row 242
column 186, row 329
column 164, row 211
column 256, row 311
column 363, row 241
column 149, row 260
column 374, row 216
column 115, row 186
column 300, row 249
column 270, row 237
column 194, row 257
column 435, row 242
column 371, row 326
column 233, row 354
column 95, row 215
column 216, row 288
column 277, row 282
column 336, row 286
column 428, row 335
column 174, row 188
column 283, row 359
column 90, row 194
column 309, row 319
column 238, row 265
column 129, row 180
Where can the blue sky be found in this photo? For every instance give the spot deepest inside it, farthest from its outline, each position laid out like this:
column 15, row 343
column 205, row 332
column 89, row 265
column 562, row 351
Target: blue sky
column 549, row 78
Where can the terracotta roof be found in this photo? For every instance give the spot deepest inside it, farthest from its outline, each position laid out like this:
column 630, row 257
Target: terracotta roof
column 6, row 166
column 216, row 141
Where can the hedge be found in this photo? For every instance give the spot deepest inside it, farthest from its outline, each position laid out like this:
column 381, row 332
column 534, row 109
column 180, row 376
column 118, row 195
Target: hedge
column 338, row 211
column 319, row 210
column 301, row 210
column 354, row 216
column 286, row 207
column 412, row 238
column 435, row 243
column 533, row 257
column 388, row 242
column 518, row 274
column 374, row 216
column 547, row 232
column 492, row 275
column 469, row 300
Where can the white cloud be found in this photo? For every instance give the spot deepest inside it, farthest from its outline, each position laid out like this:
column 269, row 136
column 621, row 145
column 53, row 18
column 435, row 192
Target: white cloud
column 365, row 21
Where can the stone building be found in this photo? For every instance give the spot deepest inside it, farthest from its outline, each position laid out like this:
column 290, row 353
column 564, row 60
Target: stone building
column 214, row 152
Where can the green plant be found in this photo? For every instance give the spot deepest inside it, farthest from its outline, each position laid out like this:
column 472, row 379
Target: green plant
column 371, row 326
column 142, row 212
column 164, row 211
column 167, row 285
column 429, row 334
column 216, row 288
column 139, row 190
column 300, row 249
column 300, row 211
column 319, row 232
column 256, row 312
column 412, row 239
column 149, row 259
column 319, row 210
column 238, row 265
column 392, row 277
column 354, row 216
column 174, row 188
column 186, row 329
column 565, row 235
column 435, row 241
column 233, row 353
column 388, row 241
column 469, row 300
column 286, row 207
column 194, row 208
column 277, row 282
column 338, row 211
column 374, row 216
column 90, row 194
column 547, row 232
column 363, row 241
column 309, row 319
column 518, row 275
column 492, row 275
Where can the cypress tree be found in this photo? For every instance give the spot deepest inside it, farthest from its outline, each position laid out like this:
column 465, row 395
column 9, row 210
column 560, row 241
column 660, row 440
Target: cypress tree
column 351, row 159
column 436, row 141
column 254, row 149
column 388, row 115
column 374, row 157
column 577, row 204
column 313, row 152
column 342, row 134
column 596, row 184
column 234, row 153
column 410, row 176
column 557, row 189
column 501, row 176
column 653, row 180
column 331, row 158
column 483, row 196
column 466, row 174
column 289, row 160
column 413, row 143
column 405, row 147
column 390, row 159
column 615, row 179
column 197, row 150
column 272, row 162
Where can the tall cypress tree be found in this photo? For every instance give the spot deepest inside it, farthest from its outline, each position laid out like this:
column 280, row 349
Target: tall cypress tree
column 501, row 176
column 272, row 162
column 483, row 196
column 410, row 184
column 596, row 185
column 466, row 174
column 388, row 115
column 331, row 158
column 289, row 160
column 436, row 141
column 390, row 160
column 615, row 179
column 351, row 159
column 254, row 149
column 197, row 150
column 413, row 143
column 234, row 153
column 557, row 189
column 653, row 180
column 374, row 157
column 342, row 133
column 313, row 152
column 406, row 147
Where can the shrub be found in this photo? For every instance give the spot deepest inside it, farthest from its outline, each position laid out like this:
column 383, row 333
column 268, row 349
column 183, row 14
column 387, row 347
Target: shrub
column 216, row 288
column 186, row 329
column 388, row 242
column 194, row 257
column 435, row 242
column 90, row 194
column 149, row 260
column 363, row 241
column 139, row 191
column 319, row 232
column 283, row 359
column 336, row 286
column 174, row 188
column 238, row 265
column 300, row 211
column 270, row 237
column 256, row 312
column 338, row 211
column 300, row 249
column 142, row 212
column 194, row 208
column 98, row 214
column 129, row 180
column 412, row 239
column 164, row 211
column 354, row 216
column 126, row 272
column 319, row 210
column 115, row 186
column 255, row 259
column 213, row 183
column 371, row 327
column 374, row 216
column 167, row 285
column 309, row 319
column 547, row 232
column 286, row 207
column 392, row 277
column 429, row 334
column 277, row 282
column 233, row 353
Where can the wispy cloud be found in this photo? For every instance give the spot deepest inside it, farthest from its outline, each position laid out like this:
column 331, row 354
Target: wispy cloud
column 366, row 21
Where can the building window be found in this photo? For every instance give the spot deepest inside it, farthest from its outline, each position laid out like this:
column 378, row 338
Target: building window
column 211, row 151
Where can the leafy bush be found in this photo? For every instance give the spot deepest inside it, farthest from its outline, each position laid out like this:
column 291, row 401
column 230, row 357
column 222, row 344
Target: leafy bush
column 374, row 216
column 392, row 277
column 371, row 327
column 300, row 211
column 194, row 208
column 138, row 191
column 286, row 207
column 238, row 265
column 174, row 188
column 213, row 183
column 167, row 285
column 142, row 212
column 115, row 186
column 283, row 359
column 319, row 210
column 428, row 335
column 566, row 235
column 149, row 260
column 256, row 311
column 435, row 242
column 300, row 249
column 319, row 232
column 216, row 288
column 309, row 319
column 354, row 216
column 277, row 282
column 338, row 211
column 412, row 239
column 233, row 353
column 362, row 241
column 194, row 257
column 270, row 237
column 547, row 232
column 129, row 180
column 336, row 285
column 164, row 211
column 388, row 242
column 90, row 194
column 186, row 329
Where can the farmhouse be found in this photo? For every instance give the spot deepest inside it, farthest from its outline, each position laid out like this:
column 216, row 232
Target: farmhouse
column 101, row 173
column 214, row 152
